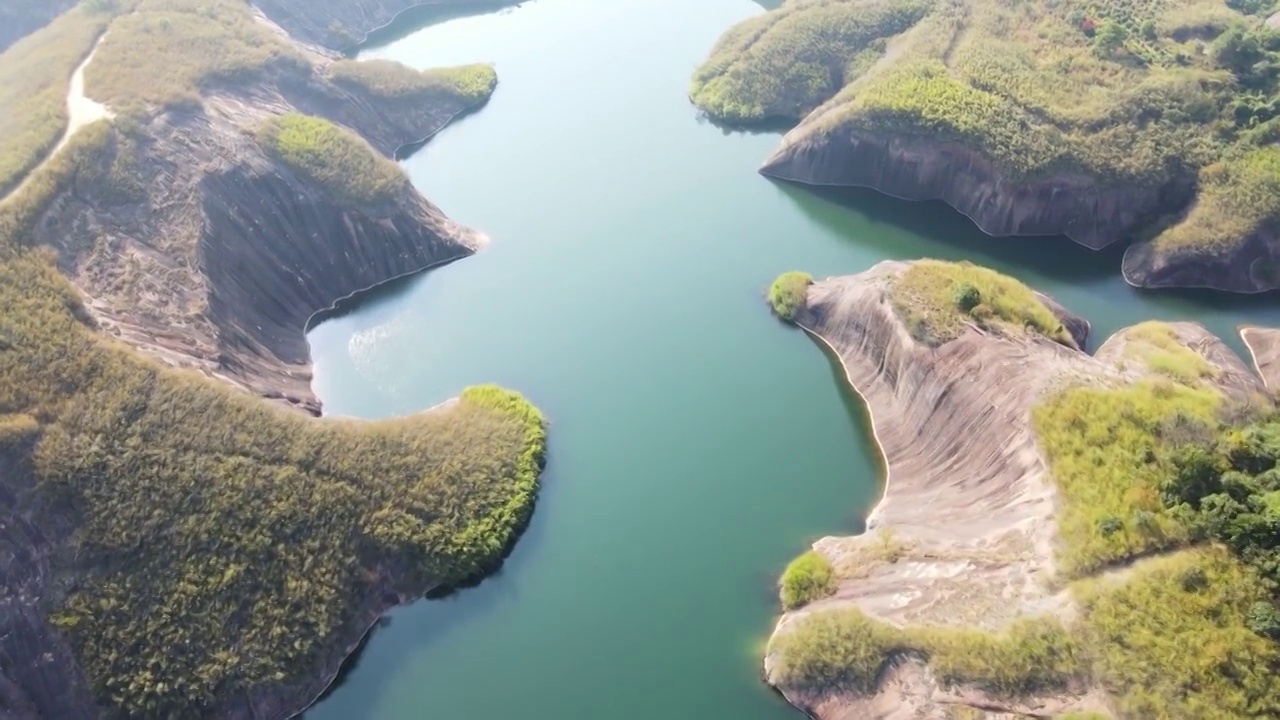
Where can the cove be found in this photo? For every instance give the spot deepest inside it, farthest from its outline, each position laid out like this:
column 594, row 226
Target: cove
column 696, row 443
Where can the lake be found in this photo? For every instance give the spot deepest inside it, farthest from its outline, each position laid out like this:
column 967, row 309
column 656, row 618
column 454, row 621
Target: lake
column 696, row 443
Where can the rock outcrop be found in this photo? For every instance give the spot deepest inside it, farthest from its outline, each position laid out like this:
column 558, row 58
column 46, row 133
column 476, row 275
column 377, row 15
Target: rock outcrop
column 1264, row 346
column 207, row 253
column 921, row 168
column 1252, row 266
column 964, row 535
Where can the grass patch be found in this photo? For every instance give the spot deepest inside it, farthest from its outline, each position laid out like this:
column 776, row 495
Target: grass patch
column 389, row 80
column 167, row 52
column 1156, row 345
column 339, row 161
column 35, row 75
column 844, row 650
column 807, row 578
column 787, row 294
column 936, row 300
column 1173, row 641
column 1108, row 452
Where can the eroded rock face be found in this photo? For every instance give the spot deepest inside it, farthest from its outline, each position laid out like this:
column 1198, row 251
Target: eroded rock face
column 1251, row 267
column 211, row 255
column 917, row 168
column 968, row 511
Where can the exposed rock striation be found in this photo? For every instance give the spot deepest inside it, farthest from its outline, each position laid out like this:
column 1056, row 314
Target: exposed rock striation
column 921, row 168
column 194, row 245
column 1264, row 346
column 965, row 533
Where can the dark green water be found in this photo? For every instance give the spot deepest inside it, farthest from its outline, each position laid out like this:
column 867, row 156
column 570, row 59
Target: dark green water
column 696, row 444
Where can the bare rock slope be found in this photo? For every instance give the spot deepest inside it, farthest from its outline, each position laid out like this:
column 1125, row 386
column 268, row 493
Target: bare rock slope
column 964, row 535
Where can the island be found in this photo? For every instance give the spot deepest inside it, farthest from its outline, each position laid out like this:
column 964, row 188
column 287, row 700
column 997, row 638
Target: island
column 184, row 186
column 1150, row 123
column 1061, row 535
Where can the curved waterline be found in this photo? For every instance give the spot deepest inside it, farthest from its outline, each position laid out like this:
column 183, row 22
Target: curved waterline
column 698, row 443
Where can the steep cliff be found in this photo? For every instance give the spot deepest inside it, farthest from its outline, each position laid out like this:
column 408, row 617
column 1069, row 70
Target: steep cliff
column 967, row 534
column 196, row 246
column 1105, row 124
column 915, row 167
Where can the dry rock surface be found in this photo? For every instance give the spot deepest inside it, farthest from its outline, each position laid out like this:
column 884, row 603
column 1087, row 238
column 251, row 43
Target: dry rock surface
column 964, row 535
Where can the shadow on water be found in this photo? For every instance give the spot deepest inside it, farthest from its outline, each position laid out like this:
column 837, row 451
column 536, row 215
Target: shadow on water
column 353, row 660
column 425, row 15
column 1057, row 257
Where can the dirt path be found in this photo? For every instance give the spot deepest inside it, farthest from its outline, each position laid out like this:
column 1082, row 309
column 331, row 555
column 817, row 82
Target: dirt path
column 81, row 111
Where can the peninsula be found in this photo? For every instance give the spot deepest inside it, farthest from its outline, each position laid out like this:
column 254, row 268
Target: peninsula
column 184, row 186
column 1153, row 123
column 1055, row 526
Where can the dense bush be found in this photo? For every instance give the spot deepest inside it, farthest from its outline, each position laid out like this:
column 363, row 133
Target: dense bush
column 787, row 294
column 1229, row 492
column 807, row 578
column 1173, row 640
column 336, row 159
column 785, row 63
column 389, row 80
column 1108, row 455
column 937, row 299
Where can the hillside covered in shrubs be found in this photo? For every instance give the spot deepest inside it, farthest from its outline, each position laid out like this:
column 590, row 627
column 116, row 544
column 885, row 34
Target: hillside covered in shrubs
column 1175, row 101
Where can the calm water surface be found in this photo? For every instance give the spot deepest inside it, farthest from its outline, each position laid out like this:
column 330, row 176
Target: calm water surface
column 696, row 444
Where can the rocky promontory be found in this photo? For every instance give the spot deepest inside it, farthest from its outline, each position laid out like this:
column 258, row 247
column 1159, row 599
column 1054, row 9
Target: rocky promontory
column 1029, row 124
column 914, row 167
column 967, row 536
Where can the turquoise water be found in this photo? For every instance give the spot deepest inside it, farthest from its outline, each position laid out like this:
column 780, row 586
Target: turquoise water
column 696, row 444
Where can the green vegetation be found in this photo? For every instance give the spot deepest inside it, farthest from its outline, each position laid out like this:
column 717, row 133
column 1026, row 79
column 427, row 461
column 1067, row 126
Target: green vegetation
column 845, row 650
column 165, row 52
column 211, row 522
column 936, row 300
column 390, row 80
column 223, row 544
column 1228, row 491
column 336, row 159
column 1108, row 450
column 1238, row 194
column 807, row 578
column 786, row 63
column 1130, row 93
column 34, row 78
column 787, row 294
column 1173, row 641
